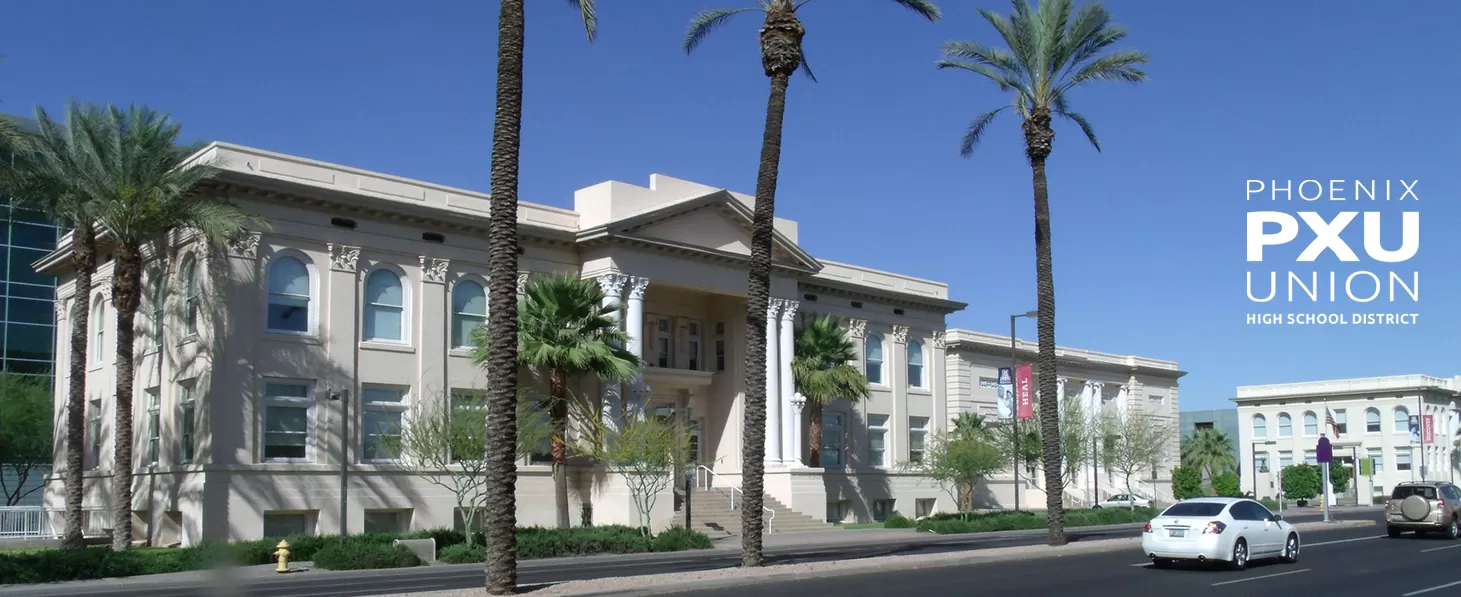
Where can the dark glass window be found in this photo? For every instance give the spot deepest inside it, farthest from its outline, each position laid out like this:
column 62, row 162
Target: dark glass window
column 25, row 310
column 45, row 293
column 33, row 236
column 20, row 266
column 28, row 367
column 1195, row 509
column 28, row 342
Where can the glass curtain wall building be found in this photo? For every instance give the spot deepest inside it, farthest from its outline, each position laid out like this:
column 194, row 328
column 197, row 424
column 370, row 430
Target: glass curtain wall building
column 27, row 299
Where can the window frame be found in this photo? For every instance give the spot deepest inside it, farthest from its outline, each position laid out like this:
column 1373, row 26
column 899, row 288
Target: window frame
column 1311, row 424
column 369, row 308
column 1259, row 426
column 870, row 365
column 919, row 431
column 153, row 454
column 311, row 318
column 1409, row 461
column 400, row 408
column 94, row 429
column 1401, row 417
column 308, row 402
column 1379, row 423
column 1285, row 425
column 187, row 421
column 881, row 430
column 840, row 438
column 192, row 296
column 458, row 316
column 98, row 323
column 915, row 348
column 1377, row 459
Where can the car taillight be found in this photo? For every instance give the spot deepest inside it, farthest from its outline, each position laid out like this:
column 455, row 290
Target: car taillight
column 1214, row 528
column 1148, row 528
column 1440, row 504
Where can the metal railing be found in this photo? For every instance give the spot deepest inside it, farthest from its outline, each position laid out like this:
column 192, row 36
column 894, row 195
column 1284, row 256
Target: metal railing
column 36, row 522
column 703, row 482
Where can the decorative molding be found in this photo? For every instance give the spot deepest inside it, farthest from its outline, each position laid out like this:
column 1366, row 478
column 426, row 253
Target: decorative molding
column 613, row 284
column 857, row 328
column 105, row 290
column 245, row 246
column 344, row 258
column 522, row 281
column 637, row 286
column 773, row 306
column 900, row 334
column 434, row 269
column 939, row 340
column 788, row 309
column 62, row 306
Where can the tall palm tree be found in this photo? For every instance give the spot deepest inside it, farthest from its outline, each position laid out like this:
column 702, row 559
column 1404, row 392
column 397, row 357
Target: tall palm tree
column 48, row 172
column 781, row 56
column 564, row 331
column 1210, row 452
column 823, row 371
column 141, row 190
column 502, row 247
column 1052, row 49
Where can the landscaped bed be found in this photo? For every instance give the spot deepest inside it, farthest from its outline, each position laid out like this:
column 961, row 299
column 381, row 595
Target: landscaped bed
column 987, row 522
column 356, row 552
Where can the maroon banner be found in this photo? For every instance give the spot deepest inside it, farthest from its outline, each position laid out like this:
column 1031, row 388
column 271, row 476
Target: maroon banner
column 1024, row 393
column 1428, row 430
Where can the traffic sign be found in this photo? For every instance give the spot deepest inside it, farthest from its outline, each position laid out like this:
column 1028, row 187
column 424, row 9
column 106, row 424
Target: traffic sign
column 1325, row 452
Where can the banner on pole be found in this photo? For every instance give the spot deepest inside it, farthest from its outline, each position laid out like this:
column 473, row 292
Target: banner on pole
column 1428, row 429
column 1324, row 452
column 1006, row 393
column 1415, row 430
column 1024, row 394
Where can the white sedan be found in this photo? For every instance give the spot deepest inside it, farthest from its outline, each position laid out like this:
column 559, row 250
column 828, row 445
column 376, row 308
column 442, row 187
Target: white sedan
column 1230, row 530
column 1124, row 501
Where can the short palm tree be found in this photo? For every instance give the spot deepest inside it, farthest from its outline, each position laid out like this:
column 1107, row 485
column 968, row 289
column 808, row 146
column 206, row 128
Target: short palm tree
column 1210, row 452
column 823, row 370
column 141, row 189
column 1052, row 50
column 47, row 172
column 501, row 495
column 564, row 331
column 781, row 55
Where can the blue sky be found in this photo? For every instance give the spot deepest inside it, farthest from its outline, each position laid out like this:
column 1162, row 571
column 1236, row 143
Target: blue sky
column 1148, row 234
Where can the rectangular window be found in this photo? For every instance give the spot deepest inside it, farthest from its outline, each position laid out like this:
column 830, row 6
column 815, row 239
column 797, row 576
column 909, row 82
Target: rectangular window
column 877, row 438
column 387, row 521
column 154, row 423
column 187, row 421
column 94, row 430
column 663, row 338
column 287, row 421
column 543, row 453
column 1155, row 399
column 1402, row 459
column 720, row 346
column 832, row 440
column 1341, row 421
column 1311, row 457
column 923, row 507
column 1260, row 462
column 917, row 438
column 836, row 511
column 1285, row 459
column 468, row 423
column 382, row 409
column 278, row 525
column 1377, row 459
column 881, row 510
column 692, row 345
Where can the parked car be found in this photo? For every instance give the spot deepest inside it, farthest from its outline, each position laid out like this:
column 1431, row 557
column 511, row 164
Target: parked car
column 1124, row 501
column 1424, row 507
column 1234, row 531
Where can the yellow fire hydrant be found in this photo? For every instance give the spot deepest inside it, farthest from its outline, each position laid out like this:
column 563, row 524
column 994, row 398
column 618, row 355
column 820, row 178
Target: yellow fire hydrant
column 283, row 554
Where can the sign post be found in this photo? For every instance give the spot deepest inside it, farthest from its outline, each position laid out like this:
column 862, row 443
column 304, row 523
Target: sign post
column 1325, row 455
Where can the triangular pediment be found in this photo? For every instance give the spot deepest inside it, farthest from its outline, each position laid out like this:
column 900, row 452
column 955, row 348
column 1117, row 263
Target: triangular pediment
column 717, row 222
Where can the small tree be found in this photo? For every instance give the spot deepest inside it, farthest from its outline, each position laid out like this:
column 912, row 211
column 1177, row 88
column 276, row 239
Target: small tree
column 1301, row 481
column 25, row 432
column 1227, row 484
column 444, row 441
column 1186, row 483
column 646, row 452
column 1339, row 476
column 1136, row 440
column 959, row 459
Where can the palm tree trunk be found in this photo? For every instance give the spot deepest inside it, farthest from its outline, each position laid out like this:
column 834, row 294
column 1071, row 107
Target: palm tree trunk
column 501, row 457
column 781, row 37
column 814, row 434
column 1038, row 138
column 83, row 260
column 558, row 417
column 126, row 297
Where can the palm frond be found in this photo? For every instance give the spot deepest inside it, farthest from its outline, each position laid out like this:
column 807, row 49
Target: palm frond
column 1062, row 109
column 806, row 68
column 564, row 326
column 589, row 15
column 924, row 8
column 706, row 22
column 821, row 363
column 975, row 132
column 1005, row 80
column 1119, row 66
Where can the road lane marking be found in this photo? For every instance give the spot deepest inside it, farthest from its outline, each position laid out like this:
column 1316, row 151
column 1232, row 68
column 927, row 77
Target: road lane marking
column 1275, row 575
column 1308, row 545
column 1440, row 548
column 1436, row 588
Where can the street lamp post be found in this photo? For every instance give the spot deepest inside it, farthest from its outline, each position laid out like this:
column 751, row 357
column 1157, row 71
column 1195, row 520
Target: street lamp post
column 1014, row 403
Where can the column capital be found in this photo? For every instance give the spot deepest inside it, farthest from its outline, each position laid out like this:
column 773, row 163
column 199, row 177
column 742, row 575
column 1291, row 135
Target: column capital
column 940, row 340
column 900, row 334
column 244, row 246
column 343, row 258
column 433, row 270
column 636, row 285
column 857, row 328
column 788, row 309
column 612, row 284
column 773, row 306
column 62, row 305
column 522, row 281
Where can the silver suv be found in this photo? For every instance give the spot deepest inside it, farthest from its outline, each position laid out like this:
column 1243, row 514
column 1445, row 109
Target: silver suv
column 1424, row 507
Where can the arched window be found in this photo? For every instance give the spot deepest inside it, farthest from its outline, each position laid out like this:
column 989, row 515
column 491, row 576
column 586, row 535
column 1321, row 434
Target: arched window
column 1402, row 420
column 193, row 296
column 1260, row 427
column 874, row 358
column 469, row 312
column 385, row 307
column 289, row 296
column 1285, row 425
column 1311, row 424
column 915, row 364
column 158, row 300
column 1372, row 420
column 99, row 330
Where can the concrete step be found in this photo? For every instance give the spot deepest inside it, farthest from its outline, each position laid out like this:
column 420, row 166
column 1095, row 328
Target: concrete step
column 711, row 513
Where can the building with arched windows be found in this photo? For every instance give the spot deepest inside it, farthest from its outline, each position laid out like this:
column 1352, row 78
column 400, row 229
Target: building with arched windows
column 291, row 360
column 1380, row 419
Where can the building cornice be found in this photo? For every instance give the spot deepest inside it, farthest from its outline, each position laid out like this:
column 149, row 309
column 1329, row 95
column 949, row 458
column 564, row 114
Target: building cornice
column 996, row 345
column 1363, row 386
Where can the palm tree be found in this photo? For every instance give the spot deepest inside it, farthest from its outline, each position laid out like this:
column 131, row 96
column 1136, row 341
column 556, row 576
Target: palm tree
column 565, row 330
column 823, row 371
column 781, row 55
column 502, row 247
column 1210, row 452
column 141, row 189
column 1053, row 49
column 49, row 173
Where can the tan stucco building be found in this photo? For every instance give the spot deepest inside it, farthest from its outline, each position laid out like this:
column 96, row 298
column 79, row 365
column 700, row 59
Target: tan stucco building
column 362, row 293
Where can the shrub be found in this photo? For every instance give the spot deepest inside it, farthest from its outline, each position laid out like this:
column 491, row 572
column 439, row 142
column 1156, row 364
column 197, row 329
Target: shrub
column 679, row 539
column 1301, row 481
column 898, row 521
column 1269, row 503
column 1227, row 485
column 353, row 555
column 537, row 542
column 972, row 522
column 1186, row 483
column 462, row 553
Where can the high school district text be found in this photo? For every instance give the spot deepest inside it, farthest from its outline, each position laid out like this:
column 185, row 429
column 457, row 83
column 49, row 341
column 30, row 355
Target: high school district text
column 1333, row 318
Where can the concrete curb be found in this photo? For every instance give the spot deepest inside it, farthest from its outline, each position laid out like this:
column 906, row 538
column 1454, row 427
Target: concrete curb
column 667, row 584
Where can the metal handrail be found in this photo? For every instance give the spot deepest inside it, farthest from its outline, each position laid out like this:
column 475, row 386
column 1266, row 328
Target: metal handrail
column 733, row 490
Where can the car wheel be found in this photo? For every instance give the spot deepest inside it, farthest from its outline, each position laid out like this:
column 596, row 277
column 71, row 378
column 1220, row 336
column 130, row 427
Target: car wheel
column 1161, row 563
column 1393, row 532
column 1453, row 531
column 1240, row 555
column 1291, row 549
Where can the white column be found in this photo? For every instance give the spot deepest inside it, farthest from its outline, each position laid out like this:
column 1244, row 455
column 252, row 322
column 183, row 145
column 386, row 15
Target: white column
column 1083, row 482
column 788, row 383
column 612, row 410
column 1060, row 398
column 797, row 438
column 1121, row 398
column 634, row 327
column 773, row 385
column 1097, row 389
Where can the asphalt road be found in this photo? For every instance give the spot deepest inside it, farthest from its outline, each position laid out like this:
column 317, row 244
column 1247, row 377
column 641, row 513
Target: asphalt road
column 1356, row 561
column 531, row 572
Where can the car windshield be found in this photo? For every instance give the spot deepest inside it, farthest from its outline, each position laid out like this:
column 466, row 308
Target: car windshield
column 1405, row 491
column 1195, row 509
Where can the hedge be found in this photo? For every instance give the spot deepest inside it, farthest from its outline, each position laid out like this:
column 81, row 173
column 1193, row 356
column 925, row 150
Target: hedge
column 356, row 552
column 975, row 522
